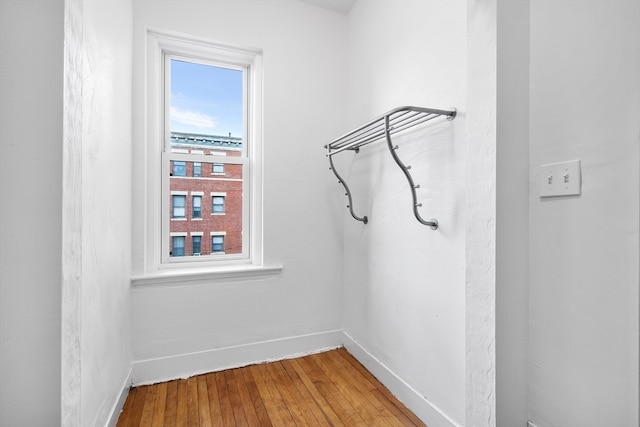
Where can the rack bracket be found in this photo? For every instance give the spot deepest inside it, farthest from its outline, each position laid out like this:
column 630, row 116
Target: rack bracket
column 383, row 127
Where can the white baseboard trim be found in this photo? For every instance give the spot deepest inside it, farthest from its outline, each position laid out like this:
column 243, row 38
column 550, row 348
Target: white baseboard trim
column 417, row 403
column 117, row 408
column 152, row 371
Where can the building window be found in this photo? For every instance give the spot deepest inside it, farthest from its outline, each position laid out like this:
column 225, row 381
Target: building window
column 179, row 168
column 197, row 207
column 217, row 244
column 177, row 246
column 218, row 169
column 178, row 206
column 196, row 245
column 217, row 203
column 203, row 110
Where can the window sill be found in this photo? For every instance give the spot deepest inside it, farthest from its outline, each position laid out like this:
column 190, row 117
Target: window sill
column 219, row 273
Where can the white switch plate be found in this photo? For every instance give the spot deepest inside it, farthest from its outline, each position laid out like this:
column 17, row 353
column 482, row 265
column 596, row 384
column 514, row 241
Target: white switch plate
column 560, row 179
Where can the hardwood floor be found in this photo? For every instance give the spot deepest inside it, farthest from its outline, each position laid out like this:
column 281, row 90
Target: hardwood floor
column 325, row 389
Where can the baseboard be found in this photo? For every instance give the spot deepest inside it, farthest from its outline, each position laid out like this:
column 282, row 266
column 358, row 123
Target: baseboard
column 186, row 365
column 117, row 409
column 420, row 406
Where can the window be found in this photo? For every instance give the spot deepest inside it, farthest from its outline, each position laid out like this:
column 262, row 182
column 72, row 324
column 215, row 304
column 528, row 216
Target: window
column 218, row 169
column 203, row 106
column 217, row 203
column 177, row 246
column 178, row 203
column 179, row 168
column 196, row 245
column 203, row 95
column 197, row 207
column 217, row 244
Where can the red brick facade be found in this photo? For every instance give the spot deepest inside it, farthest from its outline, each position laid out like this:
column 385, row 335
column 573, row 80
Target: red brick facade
column 220, row 181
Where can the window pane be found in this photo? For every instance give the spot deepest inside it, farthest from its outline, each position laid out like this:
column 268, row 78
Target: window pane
column 222, row 213
column 177, row 246
column 206, row 122
column 179, row 168
column 205, row 99
column 218, row 169
column 217, row 243
column 218, row 204
column 196, row 244
column 178, row 203
column 197, row 207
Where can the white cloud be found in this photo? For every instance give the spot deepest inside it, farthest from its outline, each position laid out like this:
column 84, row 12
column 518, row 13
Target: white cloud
column 193, row 118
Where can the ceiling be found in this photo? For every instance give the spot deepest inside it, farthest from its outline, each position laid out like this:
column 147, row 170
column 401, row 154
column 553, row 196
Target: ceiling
column 340, row 6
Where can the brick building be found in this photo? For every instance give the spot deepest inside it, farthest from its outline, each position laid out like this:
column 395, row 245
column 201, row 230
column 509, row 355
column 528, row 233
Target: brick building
column 205, row 197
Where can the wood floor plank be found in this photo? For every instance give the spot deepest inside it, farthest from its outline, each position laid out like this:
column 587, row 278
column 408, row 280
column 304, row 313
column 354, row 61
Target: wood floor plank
column 138, row 406
column 159, row 405
column 363, row 387
column 234, row 399
column 245, row 398
column 289, row 394
column 351, row 394
column 395, row 410
column 328, row 411
column 256, row 399
column 382, row 391
column 215, row 410
column 149, row 403
column 317, row 406
column 347, row 413
column 225, row 402
column 181, row 406
column 328, row 389
column 273, row 403
column 171, row 405
column 204, row 413
column 123, row 420
column 193, row 417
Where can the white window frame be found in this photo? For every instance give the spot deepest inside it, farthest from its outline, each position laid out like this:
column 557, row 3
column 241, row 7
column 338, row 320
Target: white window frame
column 157, row 264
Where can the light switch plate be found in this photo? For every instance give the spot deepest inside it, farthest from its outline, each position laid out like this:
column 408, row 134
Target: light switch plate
column 560, row 179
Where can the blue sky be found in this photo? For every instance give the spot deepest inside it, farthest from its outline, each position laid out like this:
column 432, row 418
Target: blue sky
column 205, row 99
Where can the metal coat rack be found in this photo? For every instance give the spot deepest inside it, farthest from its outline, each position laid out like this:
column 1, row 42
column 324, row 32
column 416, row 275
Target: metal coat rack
column 394, row 121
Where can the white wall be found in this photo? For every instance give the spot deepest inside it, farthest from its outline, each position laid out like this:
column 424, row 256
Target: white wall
column 481, row 204
column 585, row 104
column 404, row 284
column 30, row 211
column 304, row 65
column 512, row 214
column 106, row 207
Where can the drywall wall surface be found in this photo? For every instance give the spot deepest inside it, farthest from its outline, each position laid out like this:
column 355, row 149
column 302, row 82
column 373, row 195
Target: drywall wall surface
column 481, row 204
column 512, row 213
column 404, row 283
column 71, row 301
column 30, row 211
column 304, row 66
column 105, row 340
column 585, row 104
